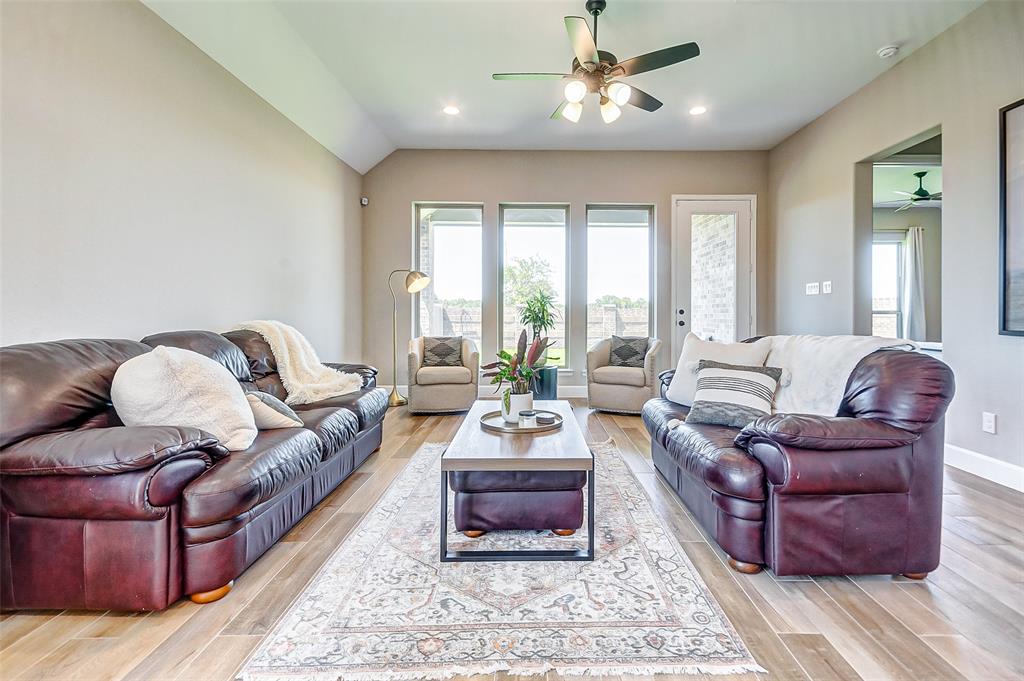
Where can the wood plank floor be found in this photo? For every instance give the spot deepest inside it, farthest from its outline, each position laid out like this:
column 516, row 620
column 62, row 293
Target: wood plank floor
column 966, row 621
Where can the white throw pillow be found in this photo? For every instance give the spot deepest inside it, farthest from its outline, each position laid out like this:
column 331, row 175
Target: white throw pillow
column 270, row 412
column 175, row 387
column 684, row 383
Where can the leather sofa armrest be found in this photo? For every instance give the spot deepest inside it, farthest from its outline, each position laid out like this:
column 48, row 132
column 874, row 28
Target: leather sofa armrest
column 824, row 432
column 664, row 379
column 367, row 372
column 653, row 347
column 106, row 451
column 796, row 471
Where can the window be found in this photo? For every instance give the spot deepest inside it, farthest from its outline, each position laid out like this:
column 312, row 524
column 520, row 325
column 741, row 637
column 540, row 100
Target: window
column 533, row 261
column 887, row 285
column 450, row 250
column 618, row 272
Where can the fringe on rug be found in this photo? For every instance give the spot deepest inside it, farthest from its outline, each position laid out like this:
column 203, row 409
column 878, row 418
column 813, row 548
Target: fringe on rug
column 540, row 670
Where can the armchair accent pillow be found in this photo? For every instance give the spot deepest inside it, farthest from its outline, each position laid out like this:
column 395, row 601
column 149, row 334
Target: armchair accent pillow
column 732, row 395
column 684, row 382
column 628, row 351
column 442, row 351
column 175, row 387
column 271, row 412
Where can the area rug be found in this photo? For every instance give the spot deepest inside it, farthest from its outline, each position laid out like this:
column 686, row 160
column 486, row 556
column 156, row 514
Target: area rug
column 385, row 607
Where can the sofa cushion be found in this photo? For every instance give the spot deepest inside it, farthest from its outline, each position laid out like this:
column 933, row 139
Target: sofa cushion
column 57, row 385
column 442, row 375
column 174, row 387
column 270, row 412
column 707, row 453
column 684, row 381
column 369, row 405
column 620, row 376
column 207, row 344
column 733, row 395
column 334, row 426
column 276, row 461
column 660, row 416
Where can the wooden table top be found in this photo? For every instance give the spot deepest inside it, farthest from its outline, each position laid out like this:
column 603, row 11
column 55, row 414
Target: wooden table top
column 476, row 449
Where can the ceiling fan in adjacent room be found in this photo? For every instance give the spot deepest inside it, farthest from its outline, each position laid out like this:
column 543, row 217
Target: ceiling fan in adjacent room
column 919, row 194
column 599, row 72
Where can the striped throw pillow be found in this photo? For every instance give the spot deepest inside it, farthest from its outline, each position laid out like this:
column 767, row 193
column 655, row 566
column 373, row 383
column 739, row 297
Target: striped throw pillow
column 733, row 395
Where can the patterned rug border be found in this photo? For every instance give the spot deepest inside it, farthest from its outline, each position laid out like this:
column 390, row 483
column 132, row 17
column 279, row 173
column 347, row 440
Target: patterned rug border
column 452, row 671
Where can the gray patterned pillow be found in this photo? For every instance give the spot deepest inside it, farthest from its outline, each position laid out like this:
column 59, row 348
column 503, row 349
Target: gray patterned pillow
column 733, row 395
column 442, row 351
column 628, row 351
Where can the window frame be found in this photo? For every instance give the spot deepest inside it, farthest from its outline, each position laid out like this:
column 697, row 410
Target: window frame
column 417, row 329
column 652, row 278
column 897, row 237
column 566, row 303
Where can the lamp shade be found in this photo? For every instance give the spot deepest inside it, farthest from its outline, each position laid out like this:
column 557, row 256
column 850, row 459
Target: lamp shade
column 416, row 281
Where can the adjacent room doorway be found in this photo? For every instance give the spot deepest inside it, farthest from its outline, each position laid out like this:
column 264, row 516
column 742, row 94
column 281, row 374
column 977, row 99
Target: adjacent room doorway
column 713, row 282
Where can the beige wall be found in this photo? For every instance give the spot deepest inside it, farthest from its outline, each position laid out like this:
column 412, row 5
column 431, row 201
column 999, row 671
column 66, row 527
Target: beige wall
column 146, row 189
column 958, row 81
column 572, row 177
column 886, row 219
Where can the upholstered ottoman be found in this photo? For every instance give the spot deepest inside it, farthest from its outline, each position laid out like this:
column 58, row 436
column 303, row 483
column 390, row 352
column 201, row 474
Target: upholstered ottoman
column 524, row 500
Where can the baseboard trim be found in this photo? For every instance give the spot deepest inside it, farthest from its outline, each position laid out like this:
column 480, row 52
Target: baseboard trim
column 985, row 466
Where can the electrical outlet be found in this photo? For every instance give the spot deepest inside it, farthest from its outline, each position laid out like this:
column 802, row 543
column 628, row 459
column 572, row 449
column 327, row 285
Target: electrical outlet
column 826, row 287
column 988, row 422
column 812, row 288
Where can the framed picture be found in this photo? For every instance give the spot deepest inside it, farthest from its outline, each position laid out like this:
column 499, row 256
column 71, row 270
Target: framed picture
column 1011, row 219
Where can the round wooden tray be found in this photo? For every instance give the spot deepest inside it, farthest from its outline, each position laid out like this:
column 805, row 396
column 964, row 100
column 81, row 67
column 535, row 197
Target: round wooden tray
column 493, row 422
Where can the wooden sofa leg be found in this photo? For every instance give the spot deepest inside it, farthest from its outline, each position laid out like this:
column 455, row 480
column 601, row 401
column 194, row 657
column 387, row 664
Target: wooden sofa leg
column 473, row 534
column 564, row 533
column 745, row 568
column 211, row 596
column 915, row 575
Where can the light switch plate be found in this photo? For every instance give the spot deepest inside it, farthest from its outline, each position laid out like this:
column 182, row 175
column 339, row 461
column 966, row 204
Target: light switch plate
column 812, row 288
column 826, row 287
column 988, row 422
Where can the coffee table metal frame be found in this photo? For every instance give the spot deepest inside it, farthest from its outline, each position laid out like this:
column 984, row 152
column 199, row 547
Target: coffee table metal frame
column 449, row 556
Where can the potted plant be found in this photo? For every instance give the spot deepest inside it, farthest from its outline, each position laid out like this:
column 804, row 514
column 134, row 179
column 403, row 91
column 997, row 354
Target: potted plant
column 539, row 313
column 518, row 370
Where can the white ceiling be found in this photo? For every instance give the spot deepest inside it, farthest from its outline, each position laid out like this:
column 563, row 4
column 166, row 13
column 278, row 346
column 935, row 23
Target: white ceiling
column 766, row 68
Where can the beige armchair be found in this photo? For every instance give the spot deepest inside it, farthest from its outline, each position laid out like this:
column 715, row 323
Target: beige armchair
column 620, row 389
column 437, row 390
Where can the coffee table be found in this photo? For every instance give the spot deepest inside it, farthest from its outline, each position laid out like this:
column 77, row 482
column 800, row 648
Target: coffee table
column 475, row 449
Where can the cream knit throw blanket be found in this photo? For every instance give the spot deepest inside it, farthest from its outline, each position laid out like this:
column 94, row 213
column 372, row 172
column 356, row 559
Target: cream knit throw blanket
column 304, row 377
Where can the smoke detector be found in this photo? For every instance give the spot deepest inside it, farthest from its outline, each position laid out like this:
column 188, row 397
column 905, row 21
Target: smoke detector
column 888, row 52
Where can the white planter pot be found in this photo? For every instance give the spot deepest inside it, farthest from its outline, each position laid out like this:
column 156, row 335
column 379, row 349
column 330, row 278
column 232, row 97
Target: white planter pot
column 516, row 404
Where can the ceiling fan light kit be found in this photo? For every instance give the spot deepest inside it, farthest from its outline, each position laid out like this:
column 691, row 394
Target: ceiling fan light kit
column 598, row 72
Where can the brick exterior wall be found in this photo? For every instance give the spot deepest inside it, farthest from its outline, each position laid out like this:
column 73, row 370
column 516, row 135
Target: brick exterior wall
column 713, row 291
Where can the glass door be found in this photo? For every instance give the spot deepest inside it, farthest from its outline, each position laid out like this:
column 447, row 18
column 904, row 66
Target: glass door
column 712, row 282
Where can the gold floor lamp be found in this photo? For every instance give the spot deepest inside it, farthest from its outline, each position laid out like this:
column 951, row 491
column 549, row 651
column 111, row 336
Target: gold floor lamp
column 414, row 281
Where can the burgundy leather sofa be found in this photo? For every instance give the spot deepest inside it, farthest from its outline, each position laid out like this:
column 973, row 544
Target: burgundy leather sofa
column 97, row 515
column 856, row 493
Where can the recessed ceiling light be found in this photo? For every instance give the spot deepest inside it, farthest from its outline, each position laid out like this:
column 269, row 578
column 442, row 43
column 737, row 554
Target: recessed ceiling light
column 888, row 52
column 698, row 110
column 451, row 110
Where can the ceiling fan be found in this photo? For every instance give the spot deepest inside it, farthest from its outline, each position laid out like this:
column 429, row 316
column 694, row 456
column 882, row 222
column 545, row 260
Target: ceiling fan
column 919, row 194
column 596, row 71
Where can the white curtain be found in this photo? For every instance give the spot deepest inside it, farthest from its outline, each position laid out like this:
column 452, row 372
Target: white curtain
column 914, row 326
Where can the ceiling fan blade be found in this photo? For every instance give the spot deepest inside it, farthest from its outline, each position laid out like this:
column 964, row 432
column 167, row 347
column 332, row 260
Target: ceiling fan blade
column 530, row 76
column 583, row 45
column 657, row 60
column 897, row 191
column 908, row 204
column 557, row 115
column 642, row 100
column 935, row 197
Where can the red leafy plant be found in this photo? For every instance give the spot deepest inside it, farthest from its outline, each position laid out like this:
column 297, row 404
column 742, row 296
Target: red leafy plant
column 518, row 369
